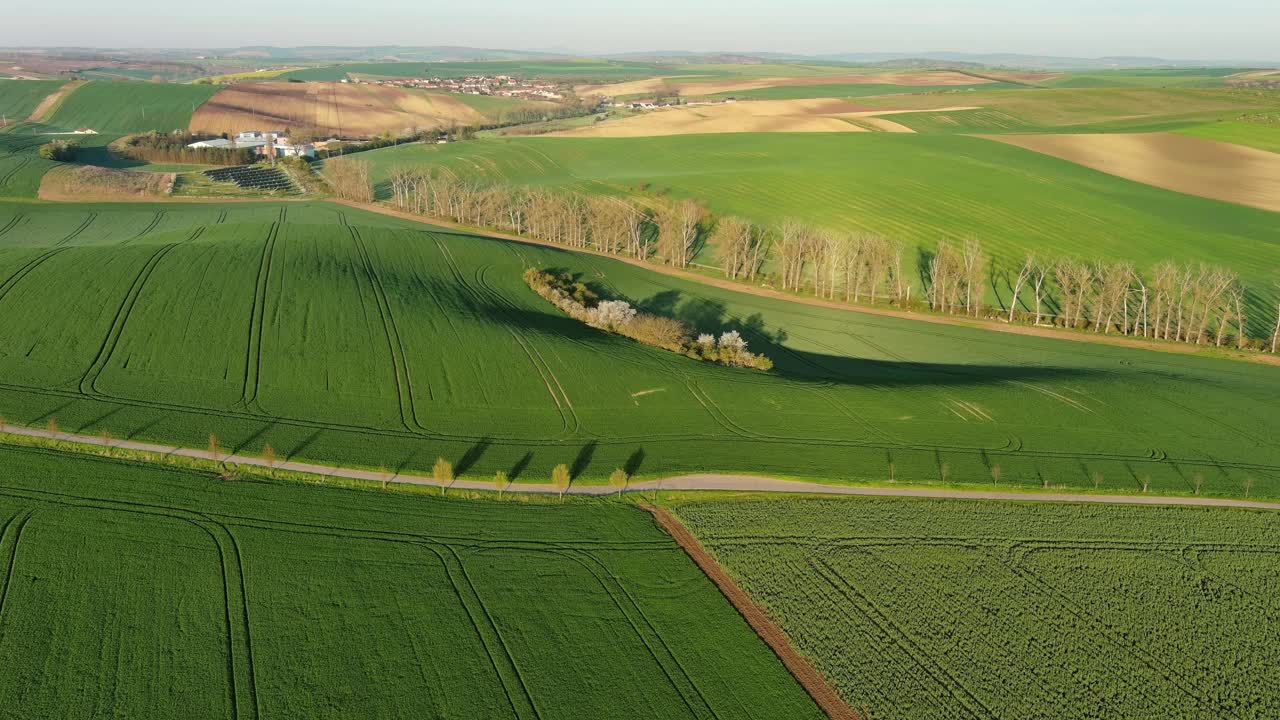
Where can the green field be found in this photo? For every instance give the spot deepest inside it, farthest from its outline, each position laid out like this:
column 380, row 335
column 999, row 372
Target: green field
column 930, row 609
column 917, row 189
column 127, row 107
column 558, row 69
column 18, row 98
column 22, row 168
column 1136, row 77
column 341, row 336
column 176, row 594
column 1258, row 135
column 1122, row 109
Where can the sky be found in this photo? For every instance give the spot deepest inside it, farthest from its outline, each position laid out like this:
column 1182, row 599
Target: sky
column 1177, row 29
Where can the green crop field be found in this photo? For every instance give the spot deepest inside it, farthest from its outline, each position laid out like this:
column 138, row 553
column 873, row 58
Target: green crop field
column 126, row 107
column 924, row 609
column 176, row 594
column 21, row 167
column 340, row 336
column 1122, row 109
column 1258, row 135
column 19, row 97
column 917, row 189
column 561, row 69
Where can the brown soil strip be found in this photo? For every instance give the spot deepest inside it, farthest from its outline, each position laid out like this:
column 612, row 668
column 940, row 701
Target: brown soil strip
column 804, row 672
column 1182, row 163
column 726, row 284
column 52, row 101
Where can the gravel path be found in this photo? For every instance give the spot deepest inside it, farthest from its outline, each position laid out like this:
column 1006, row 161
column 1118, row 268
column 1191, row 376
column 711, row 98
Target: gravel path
column 707, row 481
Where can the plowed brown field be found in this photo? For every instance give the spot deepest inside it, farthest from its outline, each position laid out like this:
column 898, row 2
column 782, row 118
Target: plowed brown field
column 1192, row 165
column 344, row 110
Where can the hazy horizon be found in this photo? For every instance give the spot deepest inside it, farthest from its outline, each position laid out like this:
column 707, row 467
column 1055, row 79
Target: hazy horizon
column 1176, row 29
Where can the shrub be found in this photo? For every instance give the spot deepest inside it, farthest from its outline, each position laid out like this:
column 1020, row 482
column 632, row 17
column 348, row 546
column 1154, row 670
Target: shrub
column 60, row 150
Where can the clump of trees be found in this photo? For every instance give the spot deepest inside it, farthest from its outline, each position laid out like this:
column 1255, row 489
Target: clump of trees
column 578, row 301
column 349, row 179
column 172, row 148
column 60, row 150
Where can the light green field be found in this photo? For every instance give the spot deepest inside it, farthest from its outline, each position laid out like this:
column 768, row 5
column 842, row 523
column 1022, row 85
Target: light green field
column 356, row 339
column 22, row 168
column 133, row 591
column 18, row 98
column 127, row 107
column 1155, row 77
column 917, row 189
column 1258, row 135
column 936, row 610
column 1124, row 109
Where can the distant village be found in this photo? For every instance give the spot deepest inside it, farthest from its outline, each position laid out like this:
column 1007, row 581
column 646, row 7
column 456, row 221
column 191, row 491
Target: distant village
column 496, row 85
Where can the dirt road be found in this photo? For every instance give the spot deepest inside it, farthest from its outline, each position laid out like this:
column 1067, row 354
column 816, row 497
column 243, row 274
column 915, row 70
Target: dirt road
column 707, row 481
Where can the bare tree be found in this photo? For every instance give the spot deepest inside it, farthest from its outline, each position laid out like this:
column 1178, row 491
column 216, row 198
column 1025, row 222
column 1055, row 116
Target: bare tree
column 213, row 446
column 500, row 482
column 973, row 262
column 794, row 240
column 678, row 231
column 1039, row 276
column 349, row 179
column 1024, row 274
column 739, row 243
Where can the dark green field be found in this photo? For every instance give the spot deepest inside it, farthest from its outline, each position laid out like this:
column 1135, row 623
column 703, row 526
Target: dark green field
column 176, row 594
column 931, row 609
column 125, row 107
column 19, row 97
column 358, row 339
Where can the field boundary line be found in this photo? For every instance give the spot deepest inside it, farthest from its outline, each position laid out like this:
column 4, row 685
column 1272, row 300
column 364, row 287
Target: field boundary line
column 723, row 284
column 823, row 694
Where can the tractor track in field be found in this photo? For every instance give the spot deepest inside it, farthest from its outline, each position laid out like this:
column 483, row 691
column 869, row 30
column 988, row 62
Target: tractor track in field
column 18, row 523
column 569, row 417
column 89, row 219
column 1113, row 636
column 257, row 319
column 13, row 222
column 89, row 381
column 200, row 521
column 496, row 647
column 395, row 343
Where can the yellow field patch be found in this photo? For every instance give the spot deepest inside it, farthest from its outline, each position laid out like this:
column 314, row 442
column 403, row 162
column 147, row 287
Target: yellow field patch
column 702, row 85
column 814, row 115
column 339, row 109
column 1186, row 164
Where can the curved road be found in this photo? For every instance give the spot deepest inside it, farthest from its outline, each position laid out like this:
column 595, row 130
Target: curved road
column 740, row 483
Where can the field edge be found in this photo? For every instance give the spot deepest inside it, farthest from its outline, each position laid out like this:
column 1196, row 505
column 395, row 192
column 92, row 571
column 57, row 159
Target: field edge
column 813, row 682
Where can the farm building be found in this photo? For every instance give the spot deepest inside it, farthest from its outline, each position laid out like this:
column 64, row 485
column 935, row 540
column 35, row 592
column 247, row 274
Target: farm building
column 284, row 148
column 225, row 144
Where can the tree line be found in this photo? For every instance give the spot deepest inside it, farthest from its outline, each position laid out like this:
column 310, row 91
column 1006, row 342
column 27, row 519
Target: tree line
column 172, row 148
column 1193, row 303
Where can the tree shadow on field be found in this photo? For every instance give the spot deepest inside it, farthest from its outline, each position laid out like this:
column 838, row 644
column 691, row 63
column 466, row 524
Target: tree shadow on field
column 534, row 316
column 521, row 465
column 472, row 456
column 583, row 461
column 634, row 462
